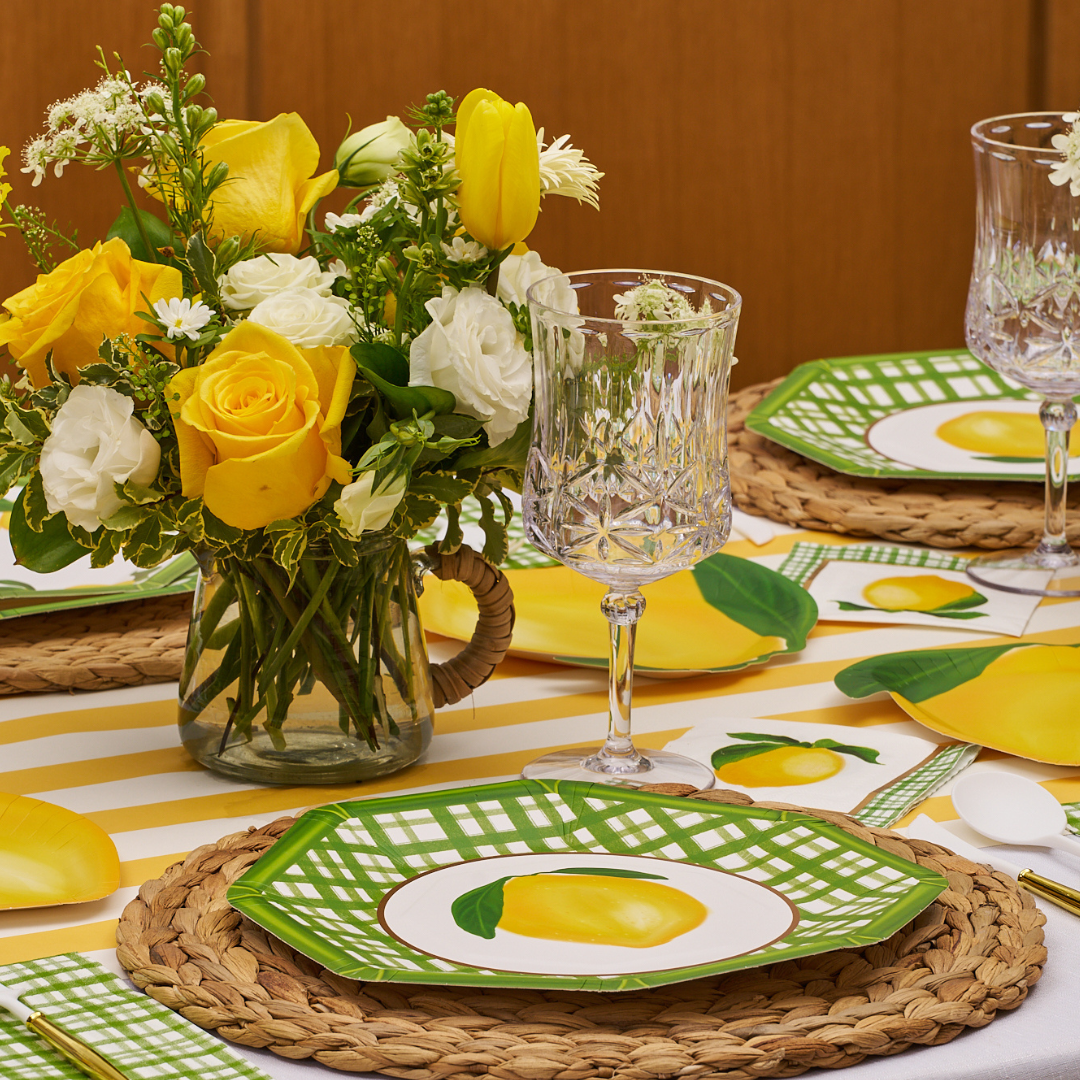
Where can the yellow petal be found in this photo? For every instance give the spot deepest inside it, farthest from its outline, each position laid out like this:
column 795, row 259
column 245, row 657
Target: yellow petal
column 479, row 157
column 520, row 180
column 196, row 454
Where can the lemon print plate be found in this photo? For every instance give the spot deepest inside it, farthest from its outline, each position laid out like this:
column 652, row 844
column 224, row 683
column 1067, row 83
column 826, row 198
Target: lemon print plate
column 50, row 855
column 1023, row 699
column 557, row 884
column 723, row 614
column 927, row 414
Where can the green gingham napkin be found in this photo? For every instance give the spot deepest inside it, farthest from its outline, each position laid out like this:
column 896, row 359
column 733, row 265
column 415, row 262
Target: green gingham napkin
column 140, row 1036
column 804, row 559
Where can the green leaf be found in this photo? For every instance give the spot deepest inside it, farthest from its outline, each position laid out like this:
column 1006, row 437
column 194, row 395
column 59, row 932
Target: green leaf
column 1005, row 460
column 864, row 752
column 496, row 544
column 47, row 549
column 27, row 426
column 759, row 599
column 959, row 614
column 509, row 454
column 728, row 754
column 203, row 264
column 406, row 400
column 138, row 494
column 478, row 911
column 384, row 360
column 15, row 466
column 126, row 228
column 752, row 736
column 220, row 533
column 106, row 547
column 444, row 487
column 606, row 871
column 974, row 600
column 919, row 674
column 35, row 505
column 127, row 517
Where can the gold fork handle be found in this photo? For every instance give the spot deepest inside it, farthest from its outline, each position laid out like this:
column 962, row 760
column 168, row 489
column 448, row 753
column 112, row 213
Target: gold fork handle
column 1054, row 891
column 77, row 1052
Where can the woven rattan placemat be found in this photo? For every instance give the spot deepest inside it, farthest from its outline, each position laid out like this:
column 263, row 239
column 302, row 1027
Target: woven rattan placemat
column 977, row 950
column 771, row 481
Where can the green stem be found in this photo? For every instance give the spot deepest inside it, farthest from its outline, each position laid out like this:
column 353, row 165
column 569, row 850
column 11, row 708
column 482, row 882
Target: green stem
column 135, row 212
column 219, row 603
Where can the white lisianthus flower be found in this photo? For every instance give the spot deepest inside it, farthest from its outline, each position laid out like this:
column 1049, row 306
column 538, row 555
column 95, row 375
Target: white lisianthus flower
column 472, row 349
column 460, row 250
column 181, row 318
column 95, row 442
column 252, row 281
column 342, row 221
column 338, row 269
column 518, row 272
column 566, row 171
column 1068, row 172
column 362, row 510
column 306, row 318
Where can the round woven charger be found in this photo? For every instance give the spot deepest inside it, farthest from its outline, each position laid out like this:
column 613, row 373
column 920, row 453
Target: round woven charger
column 143, row 641
column 976, row 950
column 771, row 481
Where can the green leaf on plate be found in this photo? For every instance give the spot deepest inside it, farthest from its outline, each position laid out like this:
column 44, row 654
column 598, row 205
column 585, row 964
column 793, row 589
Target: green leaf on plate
column 866, row 753
column 478, row 911
column 606, row 871
column 757, row 598
column 727, row 755
column 756, row 736
column 919, row 674
column 976, row 599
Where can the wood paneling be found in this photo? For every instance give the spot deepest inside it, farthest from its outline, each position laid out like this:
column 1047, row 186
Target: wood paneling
column 811, row 153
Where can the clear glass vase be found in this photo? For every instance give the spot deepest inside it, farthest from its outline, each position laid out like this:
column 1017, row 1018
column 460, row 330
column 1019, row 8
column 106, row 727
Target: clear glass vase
column 321, row 680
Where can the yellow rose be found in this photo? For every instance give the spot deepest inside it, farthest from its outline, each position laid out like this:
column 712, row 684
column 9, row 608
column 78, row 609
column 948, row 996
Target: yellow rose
column 92, row 295
column 271, row 186
column 259, row 426
column 499, row 164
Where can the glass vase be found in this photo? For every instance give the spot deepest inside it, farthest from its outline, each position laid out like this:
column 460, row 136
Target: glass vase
column 323, row 679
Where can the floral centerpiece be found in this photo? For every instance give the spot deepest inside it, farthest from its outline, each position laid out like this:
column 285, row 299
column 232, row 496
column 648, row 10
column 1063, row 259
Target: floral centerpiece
column 290, row 395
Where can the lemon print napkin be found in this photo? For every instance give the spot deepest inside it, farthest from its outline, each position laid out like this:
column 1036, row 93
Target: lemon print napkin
column 878, row 583
column 138, row 1035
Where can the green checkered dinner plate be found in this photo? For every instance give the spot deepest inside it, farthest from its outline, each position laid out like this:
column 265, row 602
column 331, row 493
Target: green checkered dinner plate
column 557, row 884
column 927, row 414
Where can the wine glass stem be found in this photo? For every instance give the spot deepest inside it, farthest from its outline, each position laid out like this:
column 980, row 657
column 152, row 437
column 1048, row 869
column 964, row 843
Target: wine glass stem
column 1058, row 418
column 622, row 611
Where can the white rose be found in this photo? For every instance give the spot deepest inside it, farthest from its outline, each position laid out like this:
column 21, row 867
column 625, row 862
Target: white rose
column 250, row 282
column 361, row 510
column 306, row 318
column 472, row 349
column 95, row 442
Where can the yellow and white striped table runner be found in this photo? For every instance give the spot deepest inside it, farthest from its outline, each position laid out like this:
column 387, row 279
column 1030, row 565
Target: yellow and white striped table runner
column 115, row 755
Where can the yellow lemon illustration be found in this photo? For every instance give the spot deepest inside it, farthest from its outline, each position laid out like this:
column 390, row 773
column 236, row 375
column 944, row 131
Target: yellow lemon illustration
column 598, row 910
column 783, row 766
column 559, row 615
column 1003, row 434
column 920, row 592
column 1026, row 702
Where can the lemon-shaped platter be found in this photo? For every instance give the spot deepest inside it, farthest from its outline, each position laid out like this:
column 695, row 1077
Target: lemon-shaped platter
column 50, row 855
column 1023, row 699
column 723, row 614
column 926, row 414
column 557, row 884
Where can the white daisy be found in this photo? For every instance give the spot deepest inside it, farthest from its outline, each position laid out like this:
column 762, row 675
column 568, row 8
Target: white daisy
column 182, row 318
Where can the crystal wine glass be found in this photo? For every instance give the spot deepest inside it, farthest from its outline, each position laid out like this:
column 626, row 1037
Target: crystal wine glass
column 1023, row 313
column 627, row 478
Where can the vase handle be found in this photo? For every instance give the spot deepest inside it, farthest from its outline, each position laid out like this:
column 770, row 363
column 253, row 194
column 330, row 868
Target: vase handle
column 472, row 667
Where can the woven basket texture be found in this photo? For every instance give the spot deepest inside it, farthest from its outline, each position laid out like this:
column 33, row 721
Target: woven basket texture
column 771, row 481
column 975, row 951
column 143, row 641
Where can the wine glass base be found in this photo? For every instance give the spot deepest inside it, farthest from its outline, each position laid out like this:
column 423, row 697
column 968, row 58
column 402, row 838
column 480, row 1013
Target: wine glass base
column 1033, row 573
column 659, row 767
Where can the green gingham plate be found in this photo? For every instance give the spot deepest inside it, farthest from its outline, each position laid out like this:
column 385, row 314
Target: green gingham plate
column 568, row 885
column 881, row 416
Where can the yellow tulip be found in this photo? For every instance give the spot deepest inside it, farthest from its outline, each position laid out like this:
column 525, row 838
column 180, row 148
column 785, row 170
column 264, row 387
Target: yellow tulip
column 499, row 164
column 259, row 426
column 92, row 295
column 271, row 186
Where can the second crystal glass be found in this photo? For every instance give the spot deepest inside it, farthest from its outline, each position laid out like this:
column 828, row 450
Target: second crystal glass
column 627, row 478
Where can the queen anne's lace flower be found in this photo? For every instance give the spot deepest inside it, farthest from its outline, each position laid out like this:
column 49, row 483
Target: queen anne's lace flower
column 653, row 301
column 566, row 171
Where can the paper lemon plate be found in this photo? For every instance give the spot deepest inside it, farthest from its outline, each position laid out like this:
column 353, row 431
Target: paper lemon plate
column 50, row 855
column 723, row 614
column 924, row 414
column 1023, row 699
column 572, row 886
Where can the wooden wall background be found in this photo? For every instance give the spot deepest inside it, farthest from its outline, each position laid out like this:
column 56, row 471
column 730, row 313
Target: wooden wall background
column 814, row 154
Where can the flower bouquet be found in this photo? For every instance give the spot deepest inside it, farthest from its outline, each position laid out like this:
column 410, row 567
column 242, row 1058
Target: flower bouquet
column 288, row 395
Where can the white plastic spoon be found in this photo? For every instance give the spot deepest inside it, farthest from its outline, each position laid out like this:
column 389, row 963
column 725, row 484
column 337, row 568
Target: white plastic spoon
column 1012, row 810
